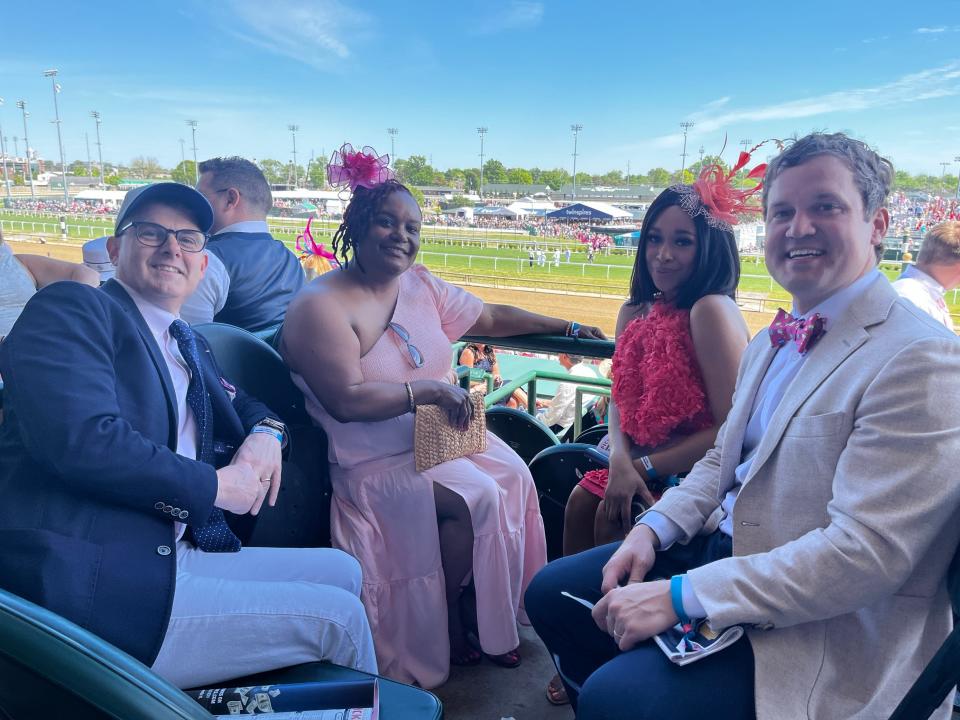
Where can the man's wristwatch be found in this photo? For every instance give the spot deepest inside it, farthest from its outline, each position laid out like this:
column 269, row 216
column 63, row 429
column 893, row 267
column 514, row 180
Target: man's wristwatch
column 275, row 427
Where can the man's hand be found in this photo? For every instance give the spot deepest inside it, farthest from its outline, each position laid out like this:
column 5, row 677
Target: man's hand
column 261, row 452
column 238, row 488
column 632, row 560
column 636, row 612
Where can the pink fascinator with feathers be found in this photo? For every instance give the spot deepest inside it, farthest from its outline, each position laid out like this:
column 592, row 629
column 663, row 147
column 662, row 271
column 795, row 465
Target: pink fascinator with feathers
column 714, row 195
column 358, row 167
column 310, row 247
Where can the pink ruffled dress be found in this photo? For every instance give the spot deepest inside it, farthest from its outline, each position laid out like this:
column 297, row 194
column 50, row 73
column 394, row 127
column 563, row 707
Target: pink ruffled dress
column 384, row 513
column 657, row 384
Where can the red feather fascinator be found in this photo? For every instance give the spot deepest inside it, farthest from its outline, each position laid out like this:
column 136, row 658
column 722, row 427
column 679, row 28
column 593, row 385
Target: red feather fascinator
column 358, row 167
column 714, row 196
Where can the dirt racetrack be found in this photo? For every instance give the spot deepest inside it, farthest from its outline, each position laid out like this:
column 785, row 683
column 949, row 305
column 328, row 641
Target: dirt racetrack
column 585, row 309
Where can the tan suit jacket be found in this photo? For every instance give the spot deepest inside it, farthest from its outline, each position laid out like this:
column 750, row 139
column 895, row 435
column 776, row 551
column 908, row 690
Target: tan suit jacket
column 847, row 519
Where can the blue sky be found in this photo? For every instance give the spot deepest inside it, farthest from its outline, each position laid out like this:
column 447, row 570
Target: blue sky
column 629, row 72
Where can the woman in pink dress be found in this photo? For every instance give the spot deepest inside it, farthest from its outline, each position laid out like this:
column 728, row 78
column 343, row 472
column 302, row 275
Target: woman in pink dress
column 367, row 343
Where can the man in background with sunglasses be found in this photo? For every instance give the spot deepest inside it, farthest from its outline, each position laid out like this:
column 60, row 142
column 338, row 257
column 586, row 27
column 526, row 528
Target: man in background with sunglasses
column 252, row 277
column 121, row 449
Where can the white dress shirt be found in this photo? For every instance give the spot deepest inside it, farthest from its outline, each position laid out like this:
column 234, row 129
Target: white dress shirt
column 159, row 321
column 784, row 367
column 926, row 293
column 562, row 408
column 210, row 297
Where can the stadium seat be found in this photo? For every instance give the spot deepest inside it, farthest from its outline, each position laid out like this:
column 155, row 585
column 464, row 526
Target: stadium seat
column 556, row 471
column 269, row 335
column 593, row 435
column 520, row 430
column 941, row 675
column 52, row 668
column 301, row 517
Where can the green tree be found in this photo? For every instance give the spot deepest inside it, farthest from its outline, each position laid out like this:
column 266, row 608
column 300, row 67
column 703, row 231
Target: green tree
column 555, row 178
column 471, row 181
column 455, row 178
column 184, row 173
column 78, row 168
column 614, row 177
column 494, row 172
column 274, row 170
column 659, row 177
column 519, row 176
column 584, row 179
column 414, row 170
column 112, row 180
column 145, row 167
column 18, row 179
column 317, row 173
column 418, row 196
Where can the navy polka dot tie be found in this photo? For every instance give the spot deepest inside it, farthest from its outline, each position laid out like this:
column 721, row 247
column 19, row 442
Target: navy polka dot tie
column 215, row 535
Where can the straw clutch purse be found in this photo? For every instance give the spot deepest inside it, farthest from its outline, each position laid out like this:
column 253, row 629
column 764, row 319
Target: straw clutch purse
column 436, row 441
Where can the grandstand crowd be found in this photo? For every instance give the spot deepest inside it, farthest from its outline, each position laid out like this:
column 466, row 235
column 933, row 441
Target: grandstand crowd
column 810, row 509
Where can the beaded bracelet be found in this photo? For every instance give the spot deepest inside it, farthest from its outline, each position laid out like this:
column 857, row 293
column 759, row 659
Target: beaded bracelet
column 411, row 403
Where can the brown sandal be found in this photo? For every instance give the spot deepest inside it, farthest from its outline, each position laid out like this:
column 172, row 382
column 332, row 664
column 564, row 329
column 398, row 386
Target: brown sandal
column 556, row 692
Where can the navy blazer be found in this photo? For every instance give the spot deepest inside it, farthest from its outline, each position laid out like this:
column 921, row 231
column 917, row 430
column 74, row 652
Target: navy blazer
column 89, row 475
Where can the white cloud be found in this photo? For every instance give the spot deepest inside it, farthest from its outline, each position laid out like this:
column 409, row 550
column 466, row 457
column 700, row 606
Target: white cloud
column 314, row 32
column 515, row 15
column 928, row 30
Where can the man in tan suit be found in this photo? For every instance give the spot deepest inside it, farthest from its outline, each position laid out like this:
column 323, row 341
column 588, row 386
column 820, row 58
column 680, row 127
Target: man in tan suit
column 823, row 520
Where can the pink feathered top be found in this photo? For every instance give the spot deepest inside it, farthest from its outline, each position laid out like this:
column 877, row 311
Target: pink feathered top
column 657, row 383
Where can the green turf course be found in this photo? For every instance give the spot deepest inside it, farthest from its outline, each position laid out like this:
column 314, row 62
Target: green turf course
column 456, row 250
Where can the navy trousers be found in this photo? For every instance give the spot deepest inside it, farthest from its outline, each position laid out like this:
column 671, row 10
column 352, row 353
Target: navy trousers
column 606, row 684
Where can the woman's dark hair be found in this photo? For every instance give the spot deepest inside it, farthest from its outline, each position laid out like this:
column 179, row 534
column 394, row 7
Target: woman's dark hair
column 365, row 203
column 716, row 268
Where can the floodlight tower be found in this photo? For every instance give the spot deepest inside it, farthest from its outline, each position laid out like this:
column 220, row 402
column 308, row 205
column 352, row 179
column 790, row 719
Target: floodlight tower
column 575, row 128
column 52, row 74
column 293, row 133
column 746, row 144
column 3, row 158
column 481, row 131
column 957, row 159
column 26, row 147
column 685, row 126
column 196, row 168
column 96, row 117
column 392, row 132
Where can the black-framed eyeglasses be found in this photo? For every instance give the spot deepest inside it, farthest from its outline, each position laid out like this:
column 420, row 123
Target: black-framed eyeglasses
column 154, row 235
column 415, row 356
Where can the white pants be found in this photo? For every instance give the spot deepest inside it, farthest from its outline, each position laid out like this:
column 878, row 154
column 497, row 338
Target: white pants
column 260, row 609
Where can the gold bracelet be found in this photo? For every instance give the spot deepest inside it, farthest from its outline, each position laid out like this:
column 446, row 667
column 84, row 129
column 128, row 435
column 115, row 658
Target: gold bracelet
column 410, row 401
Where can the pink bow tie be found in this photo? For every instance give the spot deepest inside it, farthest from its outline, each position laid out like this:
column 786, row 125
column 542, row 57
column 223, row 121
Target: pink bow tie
column 804, row 332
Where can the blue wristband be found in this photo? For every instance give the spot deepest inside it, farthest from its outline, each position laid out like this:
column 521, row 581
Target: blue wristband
column 676, row 598
column 269, row 431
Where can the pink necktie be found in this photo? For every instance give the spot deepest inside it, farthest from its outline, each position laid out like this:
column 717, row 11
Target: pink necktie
column 804, row 332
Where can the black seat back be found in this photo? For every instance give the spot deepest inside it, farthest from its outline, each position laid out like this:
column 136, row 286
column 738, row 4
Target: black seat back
column 556, row 471
column 521, row 431
column 301, row 517
column 593, row 435
column 942, row 673
column 51, row 668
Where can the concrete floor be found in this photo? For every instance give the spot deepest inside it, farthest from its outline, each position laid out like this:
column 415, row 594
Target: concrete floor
column 489, row 692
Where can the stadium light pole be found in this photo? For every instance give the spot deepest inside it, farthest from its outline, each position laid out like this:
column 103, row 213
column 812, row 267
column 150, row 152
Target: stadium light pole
column 196, row 168
column 96, row 118
column 943, row 171
column 183, row 156
column 52, row 74
column 685, row 126
column 293, row 133
column 392, row 132
column 26, row 146
column 86, row 139
column 481, row 131
column 746, row 144
column 701, row 158
column 575, row 128
column 16, row 147
column 3, row 156
column 957, row 159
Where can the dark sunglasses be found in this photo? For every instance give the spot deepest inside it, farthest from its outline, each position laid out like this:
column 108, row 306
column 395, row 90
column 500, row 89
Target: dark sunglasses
column 415, row 357
column 154, row 235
